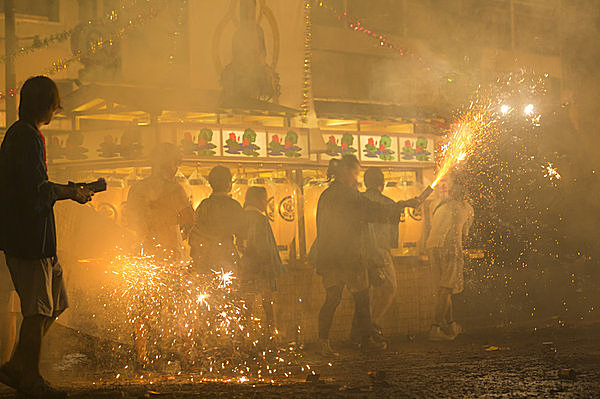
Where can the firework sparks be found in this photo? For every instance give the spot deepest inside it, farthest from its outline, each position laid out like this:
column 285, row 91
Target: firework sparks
column 551, row 172
column 201, row 319
column 478, row 124
column 225, row 278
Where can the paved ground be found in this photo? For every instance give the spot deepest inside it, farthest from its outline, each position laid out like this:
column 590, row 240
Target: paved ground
column 486, row 364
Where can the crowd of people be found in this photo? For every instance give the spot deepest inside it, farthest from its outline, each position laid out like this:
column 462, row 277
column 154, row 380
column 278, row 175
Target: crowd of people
column 355, row 234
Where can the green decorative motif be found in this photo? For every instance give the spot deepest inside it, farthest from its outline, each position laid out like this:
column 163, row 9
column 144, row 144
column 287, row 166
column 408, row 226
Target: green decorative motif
column 381, row 150
column 345, row 147
column 246, row 147
column 289, row 147
column 418, row 152
column 204, row 146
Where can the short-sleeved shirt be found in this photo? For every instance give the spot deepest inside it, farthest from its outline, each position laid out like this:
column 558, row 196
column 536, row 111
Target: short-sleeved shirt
column 154, row 206
column 451, row 221
column 386, row 234
column 27, row 226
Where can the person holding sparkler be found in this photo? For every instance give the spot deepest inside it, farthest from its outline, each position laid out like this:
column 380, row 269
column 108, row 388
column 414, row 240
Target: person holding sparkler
column 219, row 218
column 342, row 213
column 260, row 264
column 28, row 233
column 451, row 221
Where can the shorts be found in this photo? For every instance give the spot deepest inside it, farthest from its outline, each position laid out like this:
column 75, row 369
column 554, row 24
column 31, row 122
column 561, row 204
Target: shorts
column 9, row 300
column 356, row 281
column 447, row 267
column 385, row 274
column 40, row 285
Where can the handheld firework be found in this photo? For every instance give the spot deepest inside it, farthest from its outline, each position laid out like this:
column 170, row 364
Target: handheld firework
column 96, row 186
column 425, row 194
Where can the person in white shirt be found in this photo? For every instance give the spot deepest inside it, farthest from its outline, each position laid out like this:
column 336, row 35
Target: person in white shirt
column 451, row 221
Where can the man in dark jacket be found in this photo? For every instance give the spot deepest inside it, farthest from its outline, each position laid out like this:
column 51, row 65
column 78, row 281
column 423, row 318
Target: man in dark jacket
column 28, row 234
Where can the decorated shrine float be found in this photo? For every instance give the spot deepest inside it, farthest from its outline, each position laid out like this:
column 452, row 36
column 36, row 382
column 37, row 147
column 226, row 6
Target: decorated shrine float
column 111, row 131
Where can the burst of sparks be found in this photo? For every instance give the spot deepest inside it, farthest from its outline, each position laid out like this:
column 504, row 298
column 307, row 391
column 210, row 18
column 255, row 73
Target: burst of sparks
column 551, row 172
column 225, row 278
column 202, row 318
column 480, row 120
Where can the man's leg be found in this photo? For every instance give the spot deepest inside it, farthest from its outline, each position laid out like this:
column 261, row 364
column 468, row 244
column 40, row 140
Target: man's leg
column 383, row 296
column 355, row 329
column 8, row 335
column 443, row 305
column 362, row 314
column 450, row 310
column 26, row 358
column 332, row 300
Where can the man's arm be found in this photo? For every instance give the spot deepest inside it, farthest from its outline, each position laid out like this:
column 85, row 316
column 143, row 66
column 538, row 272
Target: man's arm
column 410, row 203
column 378, row 212
column 36, row 186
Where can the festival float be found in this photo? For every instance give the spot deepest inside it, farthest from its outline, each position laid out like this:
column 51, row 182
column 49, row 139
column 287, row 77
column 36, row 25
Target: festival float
column 290, row 162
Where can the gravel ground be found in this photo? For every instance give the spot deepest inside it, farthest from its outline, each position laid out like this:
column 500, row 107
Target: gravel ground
column 498, row 363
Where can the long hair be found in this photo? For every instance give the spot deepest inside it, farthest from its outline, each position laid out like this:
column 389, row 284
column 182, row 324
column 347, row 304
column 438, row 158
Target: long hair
column 38, row 95
column 339, row 166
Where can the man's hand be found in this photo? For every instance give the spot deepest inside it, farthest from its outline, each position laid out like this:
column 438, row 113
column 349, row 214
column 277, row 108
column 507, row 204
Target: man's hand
column 411, row 203
column 81, row 194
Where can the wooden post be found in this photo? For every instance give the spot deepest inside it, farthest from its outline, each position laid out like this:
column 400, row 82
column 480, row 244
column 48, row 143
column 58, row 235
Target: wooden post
column 300, row 215
column 10, row 48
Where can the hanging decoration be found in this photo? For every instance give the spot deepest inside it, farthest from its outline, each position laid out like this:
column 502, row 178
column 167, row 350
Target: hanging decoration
column 62, row 64
column 40, row 43
column 355, row 25
column 307, row 72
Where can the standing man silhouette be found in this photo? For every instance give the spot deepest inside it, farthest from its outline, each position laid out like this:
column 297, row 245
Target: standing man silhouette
column 28, row 233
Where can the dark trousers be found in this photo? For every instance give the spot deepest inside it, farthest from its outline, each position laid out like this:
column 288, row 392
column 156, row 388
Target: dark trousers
column 362, row 311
